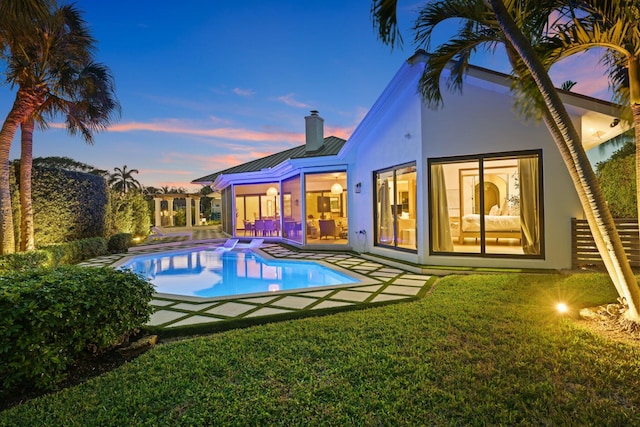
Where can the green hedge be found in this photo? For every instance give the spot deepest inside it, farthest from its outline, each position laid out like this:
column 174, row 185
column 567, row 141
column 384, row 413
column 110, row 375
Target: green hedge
column 617, row 177
column 120, row 242
column 50, row 317
column 54, row 255
column 67, row 205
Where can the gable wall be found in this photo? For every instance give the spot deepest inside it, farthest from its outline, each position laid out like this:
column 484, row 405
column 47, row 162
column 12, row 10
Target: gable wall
column 479, row 121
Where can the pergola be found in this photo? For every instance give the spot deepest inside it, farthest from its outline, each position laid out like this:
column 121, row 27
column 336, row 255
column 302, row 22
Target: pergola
column 169, row 198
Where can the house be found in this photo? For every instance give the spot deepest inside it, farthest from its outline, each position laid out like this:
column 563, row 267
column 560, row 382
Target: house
column 471, row 184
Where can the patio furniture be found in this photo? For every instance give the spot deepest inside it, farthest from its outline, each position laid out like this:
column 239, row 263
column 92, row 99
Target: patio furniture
column 253, row 244
column 258, row 227
column 270, row 227
column 159, row 234
column 228, row 245
column 248, row 226
column 328, row 228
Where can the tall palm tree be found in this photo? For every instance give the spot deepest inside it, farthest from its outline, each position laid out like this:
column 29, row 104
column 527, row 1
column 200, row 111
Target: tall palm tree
column 89, row 105
column 37, row 73
column 16, row 20
column 486, row 23
column 613, row 27
column 122, row 180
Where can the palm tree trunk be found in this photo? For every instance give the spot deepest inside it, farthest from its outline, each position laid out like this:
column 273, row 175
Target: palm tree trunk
column 22, row 108
column 27, row 240
column 599, row 217
column 634, row 99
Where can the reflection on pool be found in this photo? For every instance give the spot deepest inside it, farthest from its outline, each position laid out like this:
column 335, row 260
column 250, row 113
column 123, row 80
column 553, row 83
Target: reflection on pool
column 207, row 273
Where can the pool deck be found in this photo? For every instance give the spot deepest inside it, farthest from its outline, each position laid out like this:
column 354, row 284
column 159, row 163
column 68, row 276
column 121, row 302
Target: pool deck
column 384, row 284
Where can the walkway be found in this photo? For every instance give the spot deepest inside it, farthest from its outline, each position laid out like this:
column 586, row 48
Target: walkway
column 384, row 284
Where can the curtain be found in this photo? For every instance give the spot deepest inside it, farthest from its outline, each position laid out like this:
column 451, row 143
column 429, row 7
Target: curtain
column 529, row 218
column 385, row 219
column 440, row 228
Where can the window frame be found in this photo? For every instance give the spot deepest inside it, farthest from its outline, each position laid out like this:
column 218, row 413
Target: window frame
column 481, row 158
column 395, row 245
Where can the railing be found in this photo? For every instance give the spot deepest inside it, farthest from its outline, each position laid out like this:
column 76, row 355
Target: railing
column 583, row 248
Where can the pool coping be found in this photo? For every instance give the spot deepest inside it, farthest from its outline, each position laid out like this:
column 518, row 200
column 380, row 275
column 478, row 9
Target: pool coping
column 384, row 284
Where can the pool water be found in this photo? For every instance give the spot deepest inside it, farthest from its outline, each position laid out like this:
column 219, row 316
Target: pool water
column 207, row 273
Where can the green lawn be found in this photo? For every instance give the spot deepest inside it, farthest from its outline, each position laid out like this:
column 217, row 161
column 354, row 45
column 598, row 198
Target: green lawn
column 479, row 350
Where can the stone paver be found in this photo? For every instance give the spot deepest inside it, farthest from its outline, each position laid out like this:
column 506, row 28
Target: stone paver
column 389, row 284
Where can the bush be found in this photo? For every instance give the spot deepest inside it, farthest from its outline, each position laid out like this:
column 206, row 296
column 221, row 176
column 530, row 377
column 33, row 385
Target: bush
column 54, row 255
column 119, row 242
column 128, row 213
column 50, row 317
column 77, row 251
column 23, row 261
column 67, row 205
column 617, row 177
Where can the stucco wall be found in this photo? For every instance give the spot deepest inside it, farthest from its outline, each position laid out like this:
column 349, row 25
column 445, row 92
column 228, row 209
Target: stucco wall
column 480, row 120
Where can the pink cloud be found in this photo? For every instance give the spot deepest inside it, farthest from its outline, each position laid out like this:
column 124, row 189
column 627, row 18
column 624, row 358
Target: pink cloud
column 177, row 127
column 288, row 100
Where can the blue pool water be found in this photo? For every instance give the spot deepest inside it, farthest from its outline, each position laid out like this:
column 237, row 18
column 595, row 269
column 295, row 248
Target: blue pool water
column 207, row 273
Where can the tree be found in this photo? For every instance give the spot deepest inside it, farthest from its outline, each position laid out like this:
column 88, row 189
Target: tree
column 122, row 180
column 487, row 24
column 613, row 27
column 83, row 93
column 17, row 18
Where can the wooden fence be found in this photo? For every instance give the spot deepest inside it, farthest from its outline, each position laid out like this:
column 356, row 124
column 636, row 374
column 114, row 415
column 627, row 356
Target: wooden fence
column 583, row 247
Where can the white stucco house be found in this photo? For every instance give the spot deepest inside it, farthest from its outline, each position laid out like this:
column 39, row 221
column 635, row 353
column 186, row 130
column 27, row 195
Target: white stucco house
column 471, row 184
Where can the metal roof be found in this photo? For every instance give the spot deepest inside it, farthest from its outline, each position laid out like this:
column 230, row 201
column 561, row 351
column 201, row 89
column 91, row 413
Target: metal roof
column 330, row 147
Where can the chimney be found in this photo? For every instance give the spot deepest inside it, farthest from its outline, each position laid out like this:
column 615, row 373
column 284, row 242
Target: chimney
column 314, row 125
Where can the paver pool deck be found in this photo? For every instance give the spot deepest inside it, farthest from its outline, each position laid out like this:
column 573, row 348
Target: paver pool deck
column 384, row 284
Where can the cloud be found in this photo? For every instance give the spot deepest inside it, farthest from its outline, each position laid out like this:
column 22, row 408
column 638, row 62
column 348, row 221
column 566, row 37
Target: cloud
column 288, row 100
column 243, row 92
column 184, row 128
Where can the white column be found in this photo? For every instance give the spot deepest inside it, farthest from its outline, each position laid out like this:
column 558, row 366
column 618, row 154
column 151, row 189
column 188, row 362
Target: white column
column 189, row 219
column 158, row 211
column 197, row 201
column 170, row 203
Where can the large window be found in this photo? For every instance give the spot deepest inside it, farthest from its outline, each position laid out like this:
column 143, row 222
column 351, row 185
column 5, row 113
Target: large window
column 326, row 213
column 395, row 207
column 487, row 204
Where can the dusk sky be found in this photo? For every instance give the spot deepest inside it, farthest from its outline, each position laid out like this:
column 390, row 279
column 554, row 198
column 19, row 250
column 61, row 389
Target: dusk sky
column 205, row 85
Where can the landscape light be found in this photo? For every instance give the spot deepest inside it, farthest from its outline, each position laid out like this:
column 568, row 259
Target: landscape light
column 562, row 308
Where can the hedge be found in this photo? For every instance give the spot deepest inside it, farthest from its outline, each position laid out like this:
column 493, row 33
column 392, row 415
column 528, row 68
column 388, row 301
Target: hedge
column 50, row 317
column 54, row 255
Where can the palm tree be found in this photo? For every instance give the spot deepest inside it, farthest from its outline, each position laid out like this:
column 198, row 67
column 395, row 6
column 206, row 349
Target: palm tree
column 122, row 180
column 17, row 18
column 37, row 73
column 89, row 103
column 613, row 27
column 486, row 25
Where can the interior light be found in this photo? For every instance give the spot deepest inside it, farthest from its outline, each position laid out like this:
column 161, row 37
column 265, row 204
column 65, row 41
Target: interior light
column 336, row 188
column 272, row 191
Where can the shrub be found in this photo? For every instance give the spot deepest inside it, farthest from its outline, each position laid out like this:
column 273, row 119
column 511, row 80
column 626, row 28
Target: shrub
column 67, row 205
column 77, row 251
column 617, row 177
column 119, row 242
column 22, row 261
column 50, row 317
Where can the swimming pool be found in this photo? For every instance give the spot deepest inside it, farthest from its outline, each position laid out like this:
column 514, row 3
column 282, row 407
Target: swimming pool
column 206, row 273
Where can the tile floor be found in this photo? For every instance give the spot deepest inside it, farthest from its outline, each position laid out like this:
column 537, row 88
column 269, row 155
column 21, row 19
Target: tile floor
column 383, row 284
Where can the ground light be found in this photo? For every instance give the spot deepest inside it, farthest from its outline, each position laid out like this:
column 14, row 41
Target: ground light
column 562, row 308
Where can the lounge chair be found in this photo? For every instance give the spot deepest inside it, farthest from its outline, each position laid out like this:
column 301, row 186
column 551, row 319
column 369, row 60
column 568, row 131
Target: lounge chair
column 228, row 245
column 159, row 234
column 253, row 244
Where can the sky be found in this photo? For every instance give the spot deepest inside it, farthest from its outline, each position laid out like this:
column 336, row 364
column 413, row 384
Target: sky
column 214, row 83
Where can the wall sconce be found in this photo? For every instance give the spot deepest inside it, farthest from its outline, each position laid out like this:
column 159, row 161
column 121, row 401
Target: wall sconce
column 297, row 202
column 358, row 187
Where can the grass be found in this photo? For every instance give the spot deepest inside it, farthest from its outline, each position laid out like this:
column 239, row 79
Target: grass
column 479, row 350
